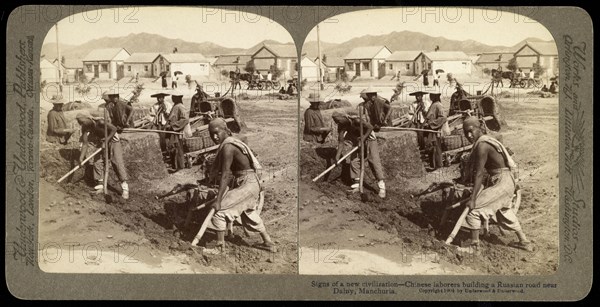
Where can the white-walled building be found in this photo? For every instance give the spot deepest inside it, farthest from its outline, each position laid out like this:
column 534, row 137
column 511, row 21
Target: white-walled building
column 367, row 61
column 194, row 64
column 106, row 64
column 543, row 53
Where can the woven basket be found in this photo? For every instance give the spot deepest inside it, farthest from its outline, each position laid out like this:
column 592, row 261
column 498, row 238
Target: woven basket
column 193, row 144
column 454, row 141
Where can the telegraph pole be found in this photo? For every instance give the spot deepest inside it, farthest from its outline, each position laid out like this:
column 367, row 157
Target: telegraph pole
column 59, row 60
column 320, row 59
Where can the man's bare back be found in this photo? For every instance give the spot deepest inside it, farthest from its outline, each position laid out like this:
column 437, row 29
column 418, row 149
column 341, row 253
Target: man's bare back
column 239, row 161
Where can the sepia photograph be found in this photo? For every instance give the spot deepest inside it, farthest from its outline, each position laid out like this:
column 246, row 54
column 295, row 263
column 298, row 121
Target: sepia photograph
column 429, row 144
column 168, row 143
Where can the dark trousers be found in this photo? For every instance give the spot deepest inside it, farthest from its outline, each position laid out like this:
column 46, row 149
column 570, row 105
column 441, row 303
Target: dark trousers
column 175, row 147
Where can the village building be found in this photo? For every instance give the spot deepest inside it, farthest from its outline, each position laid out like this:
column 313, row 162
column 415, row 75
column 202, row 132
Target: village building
column 332, row 68
column 310, row 70
column 194, row 64
column 367, row 61
column 403, row 62
column 271, row 56
column 71, row 69
column 455, row 62
column 105, row 64
column 491, row 60
column 544, row 54
column 48, row 71
column 142, row 64
column 229, row 62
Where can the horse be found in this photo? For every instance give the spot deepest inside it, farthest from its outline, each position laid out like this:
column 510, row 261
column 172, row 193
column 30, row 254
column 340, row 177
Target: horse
column 237, row 77
column 498, row 75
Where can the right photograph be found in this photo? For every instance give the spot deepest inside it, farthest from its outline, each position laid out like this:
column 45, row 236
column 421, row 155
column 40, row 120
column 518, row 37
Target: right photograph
column 429, row 144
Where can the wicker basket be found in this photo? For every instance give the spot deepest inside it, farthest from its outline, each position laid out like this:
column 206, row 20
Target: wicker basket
column 193, row 144
column 454, row 142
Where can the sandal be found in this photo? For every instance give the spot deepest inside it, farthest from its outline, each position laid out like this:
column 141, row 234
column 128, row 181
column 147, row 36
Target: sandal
column 527, row 246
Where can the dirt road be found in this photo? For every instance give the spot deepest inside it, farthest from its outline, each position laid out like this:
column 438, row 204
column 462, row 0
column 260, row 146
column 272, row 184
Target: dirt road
column 79, row 232
column 399, row 235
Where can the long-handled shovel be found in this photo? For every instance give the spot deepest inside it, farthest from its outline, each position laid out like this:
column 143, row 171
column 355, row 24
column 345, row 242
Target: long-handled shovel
column 336, row 164
column 362, row 153
column 458, row 225
column 78, row 166
column 106, row 195
column 206, row 221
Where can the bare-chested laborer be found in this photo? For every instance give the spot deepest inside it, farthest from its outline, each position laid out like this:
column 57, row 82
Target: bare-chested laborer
column 235, row 167
column 493, row 199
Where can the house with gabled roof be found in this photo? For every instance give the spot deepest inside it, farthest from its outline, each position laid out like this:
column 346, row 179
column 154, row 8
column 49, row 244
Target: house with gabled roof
column 492, row 60
column 403, row 62
column 281, row 56
column 141, row 63
column 106, row 64
column 193, row 64
column 229, row 62
column 542, row 53
column 367, row 61
column 455, row 62
column 332, row 67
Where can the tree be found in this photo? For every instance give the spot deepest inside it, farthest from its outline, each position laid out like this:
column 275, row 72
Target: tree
column 324, row 58
column 486, row 71
column 538, row 69
column 512, row 65
column 250, row 67
column 62, row 60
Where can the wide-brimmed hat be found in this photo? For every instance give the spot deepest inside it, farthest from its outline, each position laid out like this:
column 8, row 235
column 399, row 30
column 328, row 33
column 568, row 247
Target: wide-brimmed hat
column 435, row 96
column 418, row 93
column 177, row 98
column 369, row 90
column 157, row 95
column 58, row 100
column 314, row 97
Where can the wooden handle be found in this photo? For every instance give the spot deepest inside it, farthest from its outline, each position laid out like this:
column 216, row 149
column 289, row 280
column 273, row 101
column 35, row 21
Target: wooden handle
column 149, row 130
column 458, row 225
column 333, row 166
column 409, row 129
column 77, row 167
column 203, row 227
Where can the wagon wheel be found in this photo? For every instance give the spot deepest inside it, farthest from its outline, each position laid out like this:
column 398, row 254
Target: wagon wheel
column 523, row 83
column 259, row 86
column 267, row 85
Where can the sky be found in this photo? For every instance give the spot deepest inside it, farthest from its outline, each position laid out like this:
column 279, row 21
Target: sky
column 228, row 28
column 235, row 29
column 502, row 28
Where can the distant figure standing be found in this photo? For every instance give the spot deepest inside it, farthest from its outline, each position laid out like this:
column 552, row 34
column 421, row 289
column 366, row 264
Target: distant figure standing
column 269, row 76
column 137, row 77
column 164, row 81
column 436, row 79
column 174, row 82
column 424, row 74
column 531, row 74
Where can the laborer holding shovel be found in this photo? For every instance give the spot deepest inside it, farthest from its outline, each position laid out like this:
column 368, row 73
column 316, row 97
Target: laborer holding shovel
column 492, row 199
column 92, row 130
column 236, row 171
column 418, row 110
column 348, row 138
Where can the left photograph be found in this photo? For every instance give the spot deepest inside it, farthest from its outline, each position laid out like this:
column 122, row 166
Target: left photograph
column 168, row 143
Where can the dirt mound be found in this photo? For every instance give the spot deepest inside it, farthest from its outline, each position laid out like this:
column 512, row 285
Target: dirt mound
column 143, row 157
column 400, row 155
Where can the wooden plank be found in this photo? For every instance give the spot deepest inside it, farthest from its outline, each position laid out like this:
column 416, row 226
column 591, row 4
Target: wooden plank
column 454, row 151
